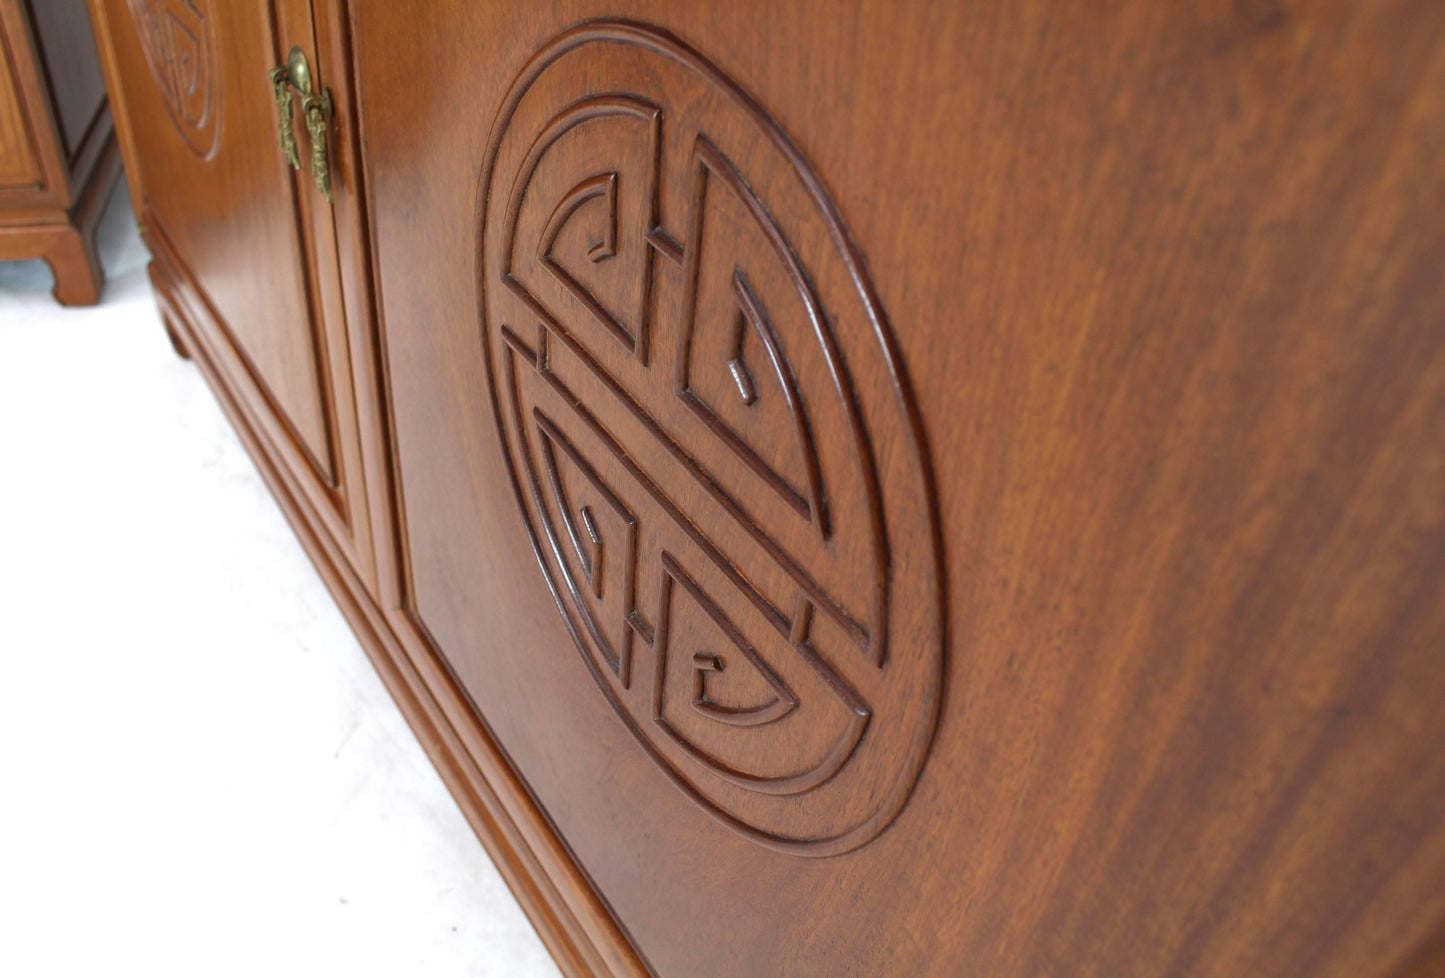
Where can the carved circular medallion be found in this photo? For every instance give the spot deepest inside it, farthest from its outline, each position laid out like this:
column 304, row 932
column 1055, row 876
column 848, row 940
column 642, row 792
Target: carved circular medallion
column 178, row 44
column 711, row 438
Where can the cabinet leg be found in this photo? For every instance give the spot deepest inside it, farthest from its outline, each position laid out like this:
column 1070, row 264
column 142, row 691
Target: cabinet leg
column 74, row 262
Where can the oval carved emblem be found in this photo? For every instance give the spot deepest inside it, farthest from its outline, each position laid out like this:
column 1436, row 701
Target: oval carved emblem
column 176, row 38
column 711, row 439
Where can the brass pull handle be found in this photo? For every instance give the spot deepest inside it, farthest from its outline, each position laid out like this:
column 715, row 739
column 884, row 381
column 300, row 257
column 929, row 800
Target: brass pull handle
column 291, row 79
column 280, row 88
column 318, row 116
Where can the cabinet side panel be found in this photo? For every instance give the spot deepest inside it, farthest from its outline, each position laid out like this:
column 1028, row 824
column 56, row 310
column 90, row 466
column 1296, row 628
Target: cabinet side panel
column 1164, row 283
column 62, row 30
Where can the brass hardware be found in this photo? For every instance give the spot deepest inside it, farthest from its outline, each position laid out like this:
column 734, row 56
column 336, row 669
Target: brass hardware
column 291, row 79
column 318, row 115
column 299, row 70
column 285, row 135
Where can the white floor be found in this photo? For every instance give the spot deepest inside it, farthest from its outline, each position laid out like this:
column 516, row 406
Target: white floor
column 200, row 774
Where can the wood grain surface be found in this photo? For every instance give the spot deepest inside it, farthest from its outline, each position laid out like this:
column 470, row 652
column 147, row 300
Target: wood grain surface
column 18, row 166
column 865, row 489
column 1164, row 283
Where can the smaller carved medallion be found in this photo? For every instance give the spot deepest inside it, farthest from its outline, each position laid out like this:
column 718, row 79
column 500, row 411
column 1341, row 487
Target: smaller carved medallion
column 177, row 40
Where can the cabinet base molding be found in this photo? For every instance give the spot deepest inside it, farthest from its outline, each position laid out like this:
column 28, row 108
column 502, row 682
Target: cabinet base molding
column 571, row 919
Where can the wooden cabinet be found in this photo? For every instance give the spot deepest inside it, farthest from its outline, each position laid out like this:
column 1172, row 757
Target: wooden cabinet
column 906, row 489
column 58, row 157
column 246, row 249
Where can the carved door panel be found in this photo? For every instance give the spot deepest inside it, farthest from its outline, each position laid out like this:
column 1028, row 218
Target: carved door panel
column 250, row 241
column 924, row 489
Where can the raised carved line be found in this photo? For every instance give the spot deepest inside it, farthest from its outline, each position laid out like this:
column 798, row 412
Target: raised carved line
column 603, row 185
column 772, row 711
column 805, row 581
column 829, row 765
column 751, row 314
column 590, row 547
column 583, row 111
column 708, row 162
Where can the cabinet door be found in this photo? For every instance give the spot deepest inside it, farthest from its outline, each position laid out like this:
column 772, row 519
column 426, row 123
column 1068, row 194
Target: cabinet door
column 243, row 241
column 935, row 489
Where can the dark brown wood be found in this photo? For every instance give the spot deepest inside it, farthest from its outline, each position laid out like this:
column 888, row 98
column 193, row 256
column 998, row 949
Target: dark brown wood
column 58, row 157
column 901, row 489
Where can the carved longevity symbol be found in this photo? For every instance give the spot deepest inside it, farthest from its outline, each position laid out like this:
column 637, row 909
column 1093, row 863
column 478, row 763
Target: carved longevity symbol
column 714, row 448
column 176, row 38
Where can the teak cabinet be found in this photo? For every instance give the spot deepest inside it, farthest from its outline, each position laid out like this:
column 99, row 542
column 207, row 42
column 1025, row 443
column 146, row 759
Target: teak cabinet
column 857, row 489
column 58, row 156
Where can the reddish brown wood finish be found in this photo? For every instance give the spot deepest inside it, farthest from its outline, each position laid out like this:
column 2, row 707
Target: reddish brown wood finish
column 58, row 159
column 1042, row 402
column 258, row 243
column 1164, row 283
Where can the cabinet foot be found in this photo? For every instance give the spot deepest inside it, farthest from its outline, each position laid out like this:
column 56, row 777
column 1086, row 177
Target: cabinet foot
column 74, row 262
column 65, row 240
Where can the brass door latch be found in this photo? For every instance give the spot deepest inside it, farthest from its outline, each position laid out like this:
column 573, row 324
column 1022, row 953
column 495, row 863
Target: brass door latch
column 288, row 81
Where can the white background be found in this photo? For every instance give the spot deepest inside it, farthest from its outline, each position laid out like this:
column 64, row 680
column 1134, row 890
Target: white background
column 200, row 773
